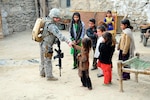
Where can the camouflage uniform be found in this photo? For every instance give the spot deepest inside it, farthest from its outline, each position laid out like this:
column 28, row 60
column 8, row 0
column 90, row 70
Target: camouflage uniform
column 50, row 35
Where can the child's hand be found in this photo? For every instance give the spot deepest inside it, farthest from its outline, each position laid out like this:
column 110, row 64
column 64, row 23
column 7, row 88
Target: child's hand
column 77, row 42
column 73, row 42
column 109, row 22
column 78, row 56
column 123, row 55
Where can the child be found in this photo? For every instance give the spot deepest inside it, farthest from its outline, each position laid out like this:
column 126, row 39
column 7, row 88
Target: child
column 83, row 62
column 105, row 58
column 77, row 30
column 109, row 21
column 126, row 44
column 91, row 33
column 100, row 30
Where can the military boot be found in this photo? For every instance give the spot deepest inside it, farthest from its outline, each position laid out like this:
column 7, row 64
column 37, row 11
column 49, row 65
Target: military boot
column 52, row 78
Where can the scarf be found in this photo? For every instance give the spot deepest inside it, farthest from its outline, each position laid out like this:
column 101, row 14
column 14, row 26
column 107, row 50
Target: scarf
column 75, row 34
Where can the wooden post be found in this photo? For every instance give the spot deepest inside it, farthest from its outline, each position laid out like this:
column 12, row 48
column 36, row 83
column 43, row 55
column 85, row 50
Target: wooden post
column 136, row 77
column 44, row 8
column 136, row 74
column 119, row 64
column 36, row 7
column 1, row 33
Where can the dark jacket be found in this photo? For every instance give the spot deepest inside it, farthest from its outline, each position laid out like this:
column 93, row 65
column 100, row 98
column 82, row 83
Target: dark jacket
column 106, row 53
column 90, row 33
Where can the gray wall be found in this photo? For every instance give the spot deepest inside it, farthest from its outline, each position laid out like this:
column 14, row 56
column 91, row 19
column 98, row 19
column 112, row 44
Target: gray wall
column 19, row 15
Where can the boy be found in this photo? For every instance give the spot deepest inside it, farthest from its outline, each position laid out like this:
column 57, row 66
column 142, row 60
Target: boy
column 91, row 33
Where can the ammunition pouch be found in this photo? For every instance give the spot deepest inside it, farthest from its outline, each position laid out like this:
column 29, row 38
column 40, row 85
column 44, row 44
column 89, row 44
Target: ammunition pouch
column 48, row 55
column 49, row 52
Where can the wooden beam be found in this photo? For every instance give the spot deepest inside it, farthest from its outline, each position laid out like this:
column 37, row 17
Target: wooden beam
column 44, row 8
column 136, row 71
column 119, row 64
column 36, row 7
column 1, row 33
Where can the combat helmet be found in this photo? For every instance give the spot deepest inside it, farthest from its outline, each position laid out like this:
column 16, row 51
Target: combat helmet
column 55, row 12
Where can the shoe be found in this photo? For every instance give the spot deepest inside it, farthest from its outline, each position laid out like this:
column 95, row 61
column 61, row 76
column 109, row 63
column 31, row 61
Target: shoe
column 100, row 75
column 52, row 79
column 106, row 84
column 42, row 75
column 94, row 68
column 90, row 88
column 74, row 68
column 125, row 79
column 84, row 86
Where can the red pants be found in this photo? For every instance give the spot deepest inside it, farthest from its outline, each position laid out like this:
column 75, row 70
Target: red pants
column 107, row 71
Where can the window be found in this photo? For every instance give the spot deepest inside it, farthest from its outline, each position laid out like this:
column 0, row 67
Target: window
column 68, row 3
column 64, row 3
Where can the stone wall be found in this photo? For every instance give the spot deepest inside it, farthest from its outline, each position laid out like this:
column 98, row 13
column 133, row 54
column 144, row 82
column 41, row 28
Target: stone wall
column 136, row 10
column 19, row 15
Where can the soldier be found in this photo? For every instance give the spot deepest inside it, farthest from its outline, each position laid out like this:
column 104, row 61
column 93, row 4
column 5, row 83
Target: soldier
column 50, row 34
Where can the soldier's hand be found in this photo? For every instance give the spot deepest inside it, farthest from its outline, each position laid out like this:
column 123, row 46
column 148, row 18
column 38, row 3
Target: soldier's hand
column 70, row 44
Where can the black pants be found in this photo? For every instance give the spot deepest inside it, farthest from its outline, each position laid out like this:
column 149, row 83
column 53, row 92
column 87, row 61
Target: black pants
column 75, row 58
column 124, row 58
column 85, row 79
column 94, row 59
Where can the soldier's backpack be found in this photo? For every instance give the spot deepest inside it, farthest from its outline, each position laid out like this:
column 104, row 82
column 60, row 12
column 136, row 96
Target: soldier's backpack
column 39, row 24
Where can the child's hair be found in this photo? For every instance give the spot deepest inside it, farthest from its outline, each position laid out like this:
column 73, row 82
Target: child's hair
column 79, row 22
column 103, row 23
column 108, row 38
column 102, row 28
column 126, row 22
column 109, row 11
column 92, row 20
column 87, row 43
column 76, row 14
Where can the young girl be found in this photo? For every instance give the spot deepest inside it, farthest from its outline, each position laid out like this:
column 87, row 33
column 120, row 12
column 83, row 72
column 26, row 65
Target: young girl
column 83, row 62
column 100, row 30
column 77, row 32
column 105, row 58
column 109, row 20
column 126, row 44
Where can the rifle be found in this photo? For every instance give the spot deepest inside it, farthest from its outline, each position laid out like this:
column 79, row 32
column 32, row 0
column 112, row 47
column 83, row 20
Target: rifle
column 59, row 56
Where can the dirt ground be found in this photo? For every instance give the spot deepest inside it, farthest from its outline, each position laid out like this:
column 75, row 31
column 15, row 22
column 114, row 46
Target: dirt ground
column 20, row 80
